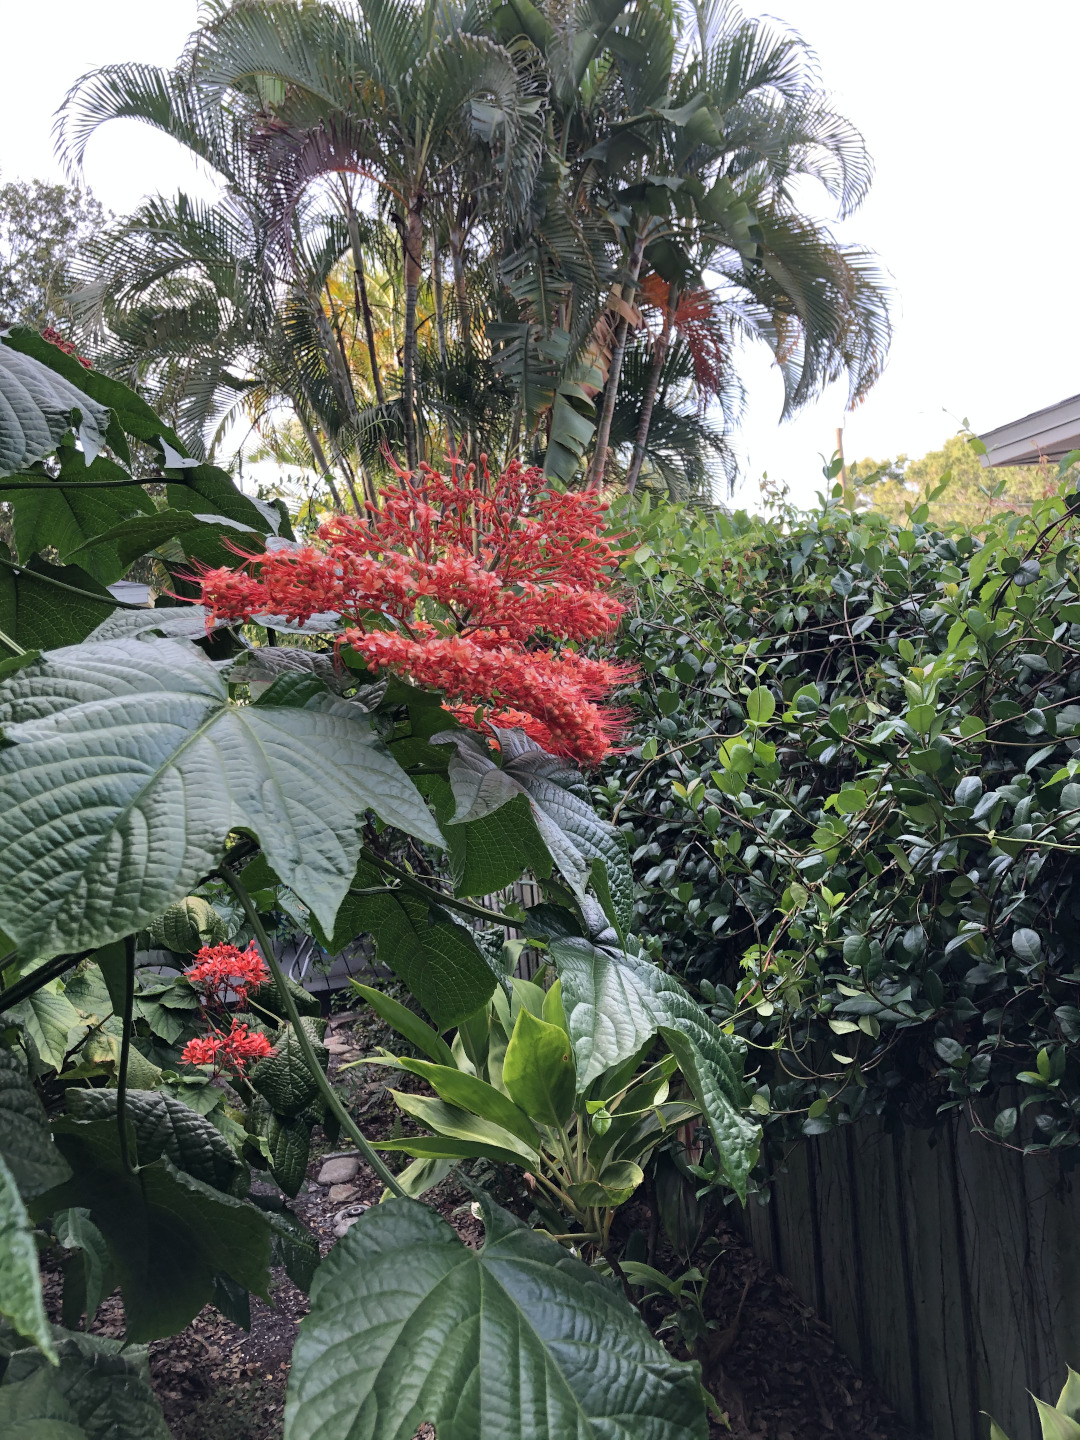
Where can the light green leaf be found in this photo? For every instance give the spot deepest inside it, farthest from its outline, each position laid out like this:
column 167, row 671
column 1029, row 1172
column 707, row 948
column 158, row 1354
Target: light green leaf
column 1069, row 1400
column 458, row 1087
column 128, row 767
column 461, row 1124
column 760, row 706
column 538, row 1070
column 614, row 1187
column 1056, row 1425
column 26, row 1143
column 515, row 1341
column 408, row 1024
column 20, row 1279
column 446, row 1147
column 607, row 1003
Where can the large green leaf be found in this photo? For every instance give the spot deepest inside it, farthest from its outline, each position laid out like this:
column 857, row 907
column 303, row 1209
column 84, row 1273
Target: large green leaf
column 460, row 1124
column 52, row 1023
column 26, row 1143
column 43, row 615
column 133, row 537
column 101, row 1388
column 166, row 1126
column 168, row 1233
column 516, row 1341
column 437, row 957
column 37, row 409
column 68, row 517
column 88, row 1279
column 20, row 1279
column 128, row 767
column 284, row 1078
column 566, row 824
column 615, row 1001
column 458, row 1087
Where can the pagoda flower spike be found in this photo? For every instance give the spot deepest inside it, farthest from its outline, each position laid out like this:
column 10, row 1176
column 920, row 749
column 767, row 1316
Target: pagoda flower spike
column 475, row 587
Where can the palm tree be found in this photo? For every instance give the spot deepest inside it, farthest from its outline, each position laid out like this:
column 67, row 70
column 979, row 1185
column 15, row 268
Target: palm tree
column 389, row 90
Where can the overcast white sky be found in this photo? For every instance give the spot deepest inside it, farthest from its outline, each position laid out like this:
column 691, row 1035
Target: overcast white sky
column 969, row 109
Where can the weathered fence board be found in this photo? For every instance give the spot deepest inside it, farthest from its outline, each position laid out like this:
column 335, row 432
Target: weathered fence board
column 949, row 1268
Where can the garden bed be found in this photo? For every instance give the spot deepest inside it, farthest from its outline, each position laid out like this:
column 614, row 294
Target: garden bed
column 777, row 1374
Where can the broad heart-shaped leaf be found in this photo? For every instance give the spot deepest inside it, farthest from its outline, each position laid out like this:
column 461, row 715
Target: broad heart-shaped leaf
column 20, row 1279
column 37, row 409
column 570, row 829
column 68, row 517
column 166, row 1126
column 41, row 615
column 26, row 1143
column 133, row 537
column 129, row 766
column 437, row 958
column 168, row 1233
column 615, row 1001
column 516, row 1341
column 104, row 1385
column 170, row 622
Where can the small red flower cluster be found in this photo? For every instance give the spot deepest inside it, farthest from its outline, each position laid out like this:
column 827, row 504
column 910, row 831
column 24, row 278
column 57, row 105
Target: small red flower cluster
column 55, row 338
column 227, row 1052
column 221, row 969
column 450, row 583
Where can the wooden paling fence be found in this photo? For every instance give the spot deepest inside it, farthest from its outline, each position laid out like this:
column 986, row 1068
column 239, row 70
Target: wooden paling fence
column 948, row 1268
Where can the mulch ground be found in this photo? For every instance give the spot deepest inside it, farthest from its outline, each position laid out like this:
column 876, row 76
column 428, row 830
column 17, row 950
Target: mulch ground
column 775, row 1370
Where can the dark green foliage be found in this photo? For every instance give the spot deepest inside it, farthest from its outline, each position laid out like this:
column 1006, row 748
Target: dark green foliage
column 854, row 804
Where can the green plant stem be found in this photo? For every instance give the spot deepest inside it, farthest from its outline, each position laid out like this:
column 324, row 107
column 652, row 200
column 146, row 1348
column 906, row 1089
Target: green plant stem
column 80, row 484
column 11, row 644
column 327, row 1091
column 481, row 912
column 125, row 1052
column 72, row 589
column 38, row 979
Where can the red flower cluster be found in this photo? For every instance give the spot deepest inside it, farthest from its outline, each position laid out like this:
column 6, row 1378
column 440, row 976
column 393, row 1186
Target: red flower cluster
column 450, row 583
column 222, row 969
column 227, row 1052
column 55, row 338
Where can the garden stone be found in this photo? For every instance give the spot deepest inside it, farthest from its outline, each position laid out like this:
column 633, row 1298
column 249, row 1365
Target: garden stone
column 340, row 1170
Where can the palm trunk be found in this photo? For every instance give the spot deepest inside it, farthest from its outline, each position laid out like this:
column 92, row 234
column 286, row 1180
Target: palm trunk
column 362, row 303
column 318, row 455
column 436, row 276
column 457, row 247
column 611, row 390
column 652, row 386
column 413, row 247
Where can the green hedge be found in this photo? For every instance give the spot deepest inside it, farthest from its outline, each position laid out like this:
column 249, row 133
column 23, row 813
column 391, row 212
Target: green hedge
column 854, row 803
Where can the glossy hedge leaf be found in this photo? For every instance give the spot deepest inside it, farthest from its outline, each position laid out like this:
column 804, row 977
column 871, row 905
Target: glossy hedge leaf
column 26, row 1143
column 516, row 1341
column 20, row 1279
column 101, row 1388
column 129, row 767
column 37, row 409
column 570, row 829
column 168, row 1233
column 436, row 957
column 166, row 1126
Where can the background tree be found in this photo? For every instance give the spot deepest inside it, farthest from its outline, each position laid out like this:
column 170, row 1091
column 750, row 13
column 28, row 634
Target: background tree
column 43, row 228
column 972, row 494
